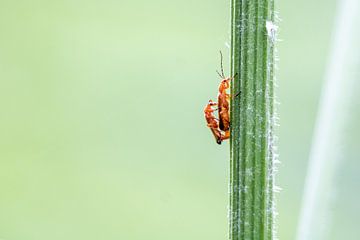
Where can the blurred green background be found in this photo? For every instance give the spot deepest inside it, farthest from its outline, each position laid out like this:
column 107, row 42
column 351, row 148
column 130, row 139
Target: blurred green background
column 102, row 130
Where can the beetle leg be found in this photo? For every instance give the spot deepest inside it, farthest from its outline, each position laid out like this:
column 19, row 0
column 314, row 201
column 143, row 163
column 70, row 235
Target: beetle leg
column 226, row 135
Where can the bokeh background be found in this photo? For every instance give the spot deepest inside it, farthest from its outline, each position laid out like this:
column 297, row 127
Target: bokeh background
column 102, row 130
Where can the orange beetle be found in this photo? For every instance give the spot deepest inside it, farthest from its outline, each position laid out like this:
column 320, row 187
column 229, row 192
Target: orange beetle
column 220, row 128
column 223, row 99
column 213, row 123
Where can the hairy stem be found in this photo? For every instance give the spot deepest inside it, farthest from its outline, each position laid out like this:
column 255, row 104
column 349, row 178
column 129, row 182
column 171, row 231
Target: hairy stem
column 251, row 143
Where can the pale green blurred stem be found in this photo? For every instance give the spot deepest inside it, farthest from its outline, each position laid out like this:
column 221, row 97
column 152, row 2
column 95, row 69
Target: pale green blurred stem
column 333, row 114
column 252, row 119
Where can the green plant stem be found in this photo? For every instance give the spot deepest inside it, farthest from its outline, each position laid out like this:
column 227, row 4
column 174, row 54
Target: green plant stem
column 251, row 143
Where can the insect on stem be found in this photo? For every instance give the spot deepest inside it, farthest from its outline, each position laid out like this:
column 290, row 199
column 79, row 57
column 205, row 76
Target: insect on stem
column 220, row 128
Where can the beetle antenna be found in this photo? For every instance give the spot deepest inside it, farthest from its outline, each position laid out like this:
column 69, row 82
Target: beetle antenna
column 219, row 74
column 222, row 67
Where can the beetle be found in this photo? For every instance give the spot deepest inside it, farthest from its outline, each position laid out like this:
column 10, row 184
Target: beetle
column 224, row 98
column 220, row 128
column 213, row 123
